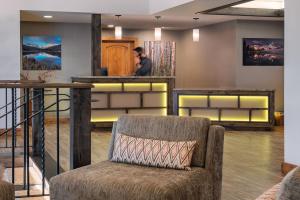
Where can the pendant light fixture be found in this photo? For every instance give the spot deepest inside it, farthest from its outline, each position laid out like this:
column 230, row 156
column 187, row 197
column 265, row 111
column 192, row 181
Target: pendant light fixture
column 157, row 30
column 118, row 29
column 196, row 32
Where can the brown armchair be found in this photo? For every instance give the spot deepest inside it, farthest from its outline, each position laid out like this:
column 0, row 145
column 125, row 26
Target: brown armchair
column 117, row 181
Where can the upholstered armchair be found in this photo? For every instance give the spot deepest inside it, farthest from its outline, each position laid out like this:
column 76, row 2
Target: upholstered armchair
column 7, row 191
column 117, row 181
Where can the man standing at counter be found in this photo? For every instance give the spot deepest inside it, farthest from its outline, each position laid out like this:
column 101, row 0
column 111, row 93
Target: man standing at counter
column 143, row 63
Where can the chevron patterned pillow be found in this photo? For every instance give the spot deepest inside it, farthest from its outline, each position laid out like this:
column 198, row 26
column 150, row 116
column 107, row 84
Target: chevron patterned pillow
column 150, row 152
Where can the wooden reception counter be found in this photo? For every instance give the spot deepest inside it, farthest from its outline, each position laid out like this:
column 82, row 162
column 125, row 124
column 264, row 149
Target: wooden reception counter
column 114, row 96
column 233, row 108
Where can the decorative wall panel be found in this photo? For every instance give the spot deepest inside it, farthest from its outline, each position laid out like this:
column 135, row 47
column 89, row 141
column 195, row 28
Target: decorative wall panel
column 162, row 54
column 230, row 108
column 115, row 96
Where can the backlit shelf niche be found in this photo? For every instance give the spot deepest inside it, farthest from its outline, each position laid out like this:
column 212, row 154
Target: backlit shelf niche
column 110, row 100
column 230, row 108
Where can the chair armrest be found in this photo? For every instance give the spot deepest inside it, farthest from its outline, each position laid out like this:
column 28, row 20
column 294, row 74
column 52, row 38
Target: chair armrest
column 214, row 158
column 7, row 191
column 112, row 140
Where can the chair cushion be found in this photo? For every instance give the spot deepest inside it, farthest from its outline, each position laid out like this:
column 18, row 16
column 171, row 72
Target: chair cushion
column 118, row 181
column 290, row 186
column 156, row 153
column 170, row 128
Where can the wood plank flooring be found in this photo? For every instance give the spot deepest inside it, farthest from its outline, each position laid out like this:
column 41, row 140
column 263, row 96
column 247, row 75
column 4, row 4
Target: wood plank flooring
column 252, row 159
column 252, row 163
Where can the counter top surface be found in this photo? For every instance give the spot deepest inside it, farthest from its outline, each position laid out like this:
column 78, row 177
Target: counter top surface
column 223, row 89
column 118, row 77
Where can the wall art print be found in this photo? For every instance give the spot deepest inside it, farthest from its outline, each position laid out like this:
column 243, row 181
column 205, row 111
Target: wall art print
column 162, row 54
column 263, row 52
column 41, row 52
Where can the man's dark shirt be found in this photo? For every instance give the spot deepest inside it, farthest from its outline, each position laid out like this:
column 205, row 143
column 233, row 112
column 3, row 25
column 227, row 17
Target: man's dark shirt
column 145, row 69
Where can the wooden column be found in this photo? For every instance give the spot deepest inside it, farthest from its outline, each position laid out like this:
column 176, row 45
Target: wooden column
column 96, row 44
column 36, row 122
column 80, row 130
column 171, row 86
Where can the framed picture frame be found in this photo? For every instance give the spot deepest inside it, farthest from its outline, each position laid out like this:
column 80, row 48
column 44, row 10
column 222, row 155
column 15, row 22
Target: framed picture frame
column 263, row 52
column 41, row 52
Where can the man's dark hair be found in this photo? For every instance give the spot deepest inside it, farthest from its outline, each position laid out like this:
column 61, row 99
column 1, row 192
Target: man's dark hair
column 139, row 50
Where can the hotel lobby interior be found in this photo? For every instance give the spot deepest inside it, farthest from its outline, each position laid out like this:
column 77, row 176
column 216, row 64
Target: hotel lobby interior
column 148, row 100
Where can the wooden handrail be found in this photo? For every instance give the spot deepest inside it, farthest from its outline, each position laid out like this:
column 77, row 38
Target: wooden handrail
column 12, row 84
column 22, row 81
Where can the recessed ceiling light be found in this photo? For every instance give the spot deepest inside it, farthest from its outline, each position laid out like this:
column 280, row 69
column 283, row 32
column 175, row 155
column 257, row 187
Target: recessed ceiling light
column 110, row 26
column 264, row 4
column 48, row 16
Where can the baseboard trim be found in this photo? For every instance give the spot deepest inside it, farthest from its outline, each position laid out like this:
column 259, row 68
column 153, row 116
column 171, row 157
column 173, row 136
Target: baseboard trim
column 287, row 167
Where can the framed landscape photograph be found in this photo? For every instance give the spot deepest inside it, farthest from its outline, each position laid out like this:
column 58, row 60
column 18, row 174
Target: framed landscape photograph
column 41, row 52
column 263, row 52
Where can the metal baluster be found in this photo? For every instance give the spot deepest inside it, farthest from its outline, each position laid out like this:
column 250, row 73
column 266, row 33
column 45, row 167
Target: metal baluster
column 6, row 117
column 43, row 141
column 13, row 134
column 27, row 139
column 24, row 137
column 57, row 131
column 15, row 102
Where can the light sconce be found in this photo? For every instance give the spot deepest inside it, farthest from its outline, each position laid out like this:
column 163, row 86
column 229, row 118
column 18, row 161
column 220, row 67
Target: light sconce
column 118, row 32
column 196, row 32
column 157, row 30
column 157, row 34
column 118, row 29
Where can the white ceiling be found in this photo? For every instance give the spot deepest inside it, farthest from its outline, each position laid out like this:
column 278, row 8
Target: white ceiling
column 180, row 17
column 64, row 17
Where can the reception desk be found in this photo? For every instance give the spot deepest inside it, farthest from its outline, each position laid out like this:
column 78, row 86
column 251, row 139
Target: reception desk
column 114, row 96
column 233, row 108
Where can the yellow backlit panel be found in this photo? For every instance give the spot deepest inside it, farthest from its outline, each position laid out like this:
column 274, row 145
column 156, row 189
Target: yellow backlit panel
column 107, row 87
column 235, row 115
column 183, row 112
column 104, row 119
column 137, row 86
column 155, row 99
column 207, row 113
column 224, row 101
column 260, row 116
column 106, row 115
column 254, row 101
column 193, row 101
column 161, row 112
column 159, row 87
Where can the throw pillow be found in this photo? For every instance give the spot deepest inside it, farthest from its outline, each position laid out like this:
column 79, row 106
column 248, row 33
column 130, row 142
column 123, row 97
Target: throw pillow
column 150, row 152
